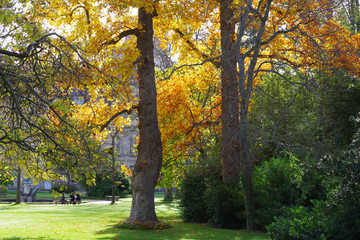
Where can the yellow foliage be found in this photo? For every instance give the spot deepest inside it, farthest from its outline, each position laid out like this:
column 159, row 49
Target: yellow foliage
column 298, row 33
column 126, row 170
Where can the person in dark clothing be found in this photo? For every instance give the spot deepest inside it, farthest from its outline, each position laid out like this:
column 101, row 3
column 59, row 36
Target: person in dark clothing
column 78, row 198
column 63, row 198
column 72, row 198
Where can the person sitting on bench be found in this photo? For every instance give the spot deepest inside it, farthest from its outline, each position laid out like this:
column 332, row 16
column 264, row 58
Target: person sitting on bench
column 78, row 198
column 72, row 198
column 63, row 198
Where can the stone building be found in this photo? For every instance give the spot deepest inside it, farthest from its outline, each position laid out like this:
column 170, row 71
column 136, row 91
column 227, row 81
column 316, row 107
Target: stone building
column 125, row 143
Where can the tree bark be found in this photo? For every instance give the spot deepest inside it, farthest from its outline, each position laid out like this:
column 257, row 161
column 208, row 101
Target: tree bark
column 354, row 16
column 18, row 187
column 149, row 160
column 230, row 96
column 168, row 196
column 113, row 169
column 247, row 169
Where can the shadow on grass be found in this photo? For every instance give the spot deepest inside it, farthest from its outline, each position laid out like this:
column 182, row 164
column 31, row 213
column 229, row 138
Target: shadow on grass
column 179, row 230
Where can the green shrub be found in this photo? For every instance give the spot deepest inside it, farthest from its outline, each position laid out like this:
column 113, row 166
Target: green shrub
column 206, row 198
column 345, row 223
column 3, row 189
column 103, row 186
column 301, row 223
column 282, row 182
column 274, row 188
column 323, row 221
column 225, row 204
column 192, row 197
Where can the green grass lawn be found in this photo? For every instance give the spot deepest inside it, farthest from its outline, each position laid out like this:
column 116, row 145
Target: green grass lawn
column 96, row 221
column 39, row 195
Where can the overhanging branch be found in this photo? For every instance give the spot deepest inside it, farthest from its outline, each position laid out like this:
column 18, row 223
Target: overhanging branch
column 128, row 111
column 194, row 48
column 126, row 33
column 29, row 48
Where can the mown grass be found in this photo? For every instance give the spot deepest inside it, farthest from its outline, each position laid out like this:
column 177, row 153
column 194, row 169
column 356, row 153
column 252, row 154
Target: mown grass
column 39, row 195
column 98, row 220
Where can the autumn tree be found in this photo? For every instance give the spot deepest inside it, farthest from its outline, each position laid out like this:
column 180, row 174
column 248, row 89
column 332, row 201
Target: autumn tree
column 262, row 36
column 107, row 49
column 239, row 40
column 39, row 135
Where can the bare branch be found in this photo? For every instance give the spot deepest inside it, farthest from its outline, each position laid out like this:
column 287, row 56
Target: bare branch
column 212, row 60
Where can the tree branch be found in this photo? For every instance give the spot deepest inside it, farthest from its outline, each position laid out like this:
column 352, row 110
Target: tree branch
column 212, row 60
column 194, row 48
column 29, row 48
column 86, row 12
column 126, row 33
column 128, row 111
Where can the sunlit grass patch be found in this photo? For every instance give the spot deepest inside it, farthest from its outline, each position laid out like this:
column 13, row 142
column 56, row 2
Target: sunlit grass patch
column 100, row 221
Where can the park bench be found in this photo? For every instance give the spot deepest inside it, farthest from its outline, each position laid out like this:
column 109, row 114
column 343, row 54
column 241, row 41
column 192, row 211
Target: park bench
column 3, row 194
column 66, row 202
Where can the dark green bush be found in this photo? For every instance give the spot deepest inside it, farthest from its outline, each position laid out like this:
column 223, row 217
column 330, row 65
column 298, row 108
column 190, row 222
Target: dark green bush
column 225, row 204
column 103, row 186
column 282, row 182
column 192, row 197
column 344, row 222
column 3, row 189
column 338, row 217
column 323, row 221
column 206, row 198
column 301, row 223
column 274, row 188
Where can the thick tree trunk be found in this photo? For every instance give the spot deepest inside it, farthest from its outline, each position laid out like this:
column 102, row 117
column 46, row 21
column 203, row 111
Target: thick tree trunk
column 230, row 96
column 149, row 160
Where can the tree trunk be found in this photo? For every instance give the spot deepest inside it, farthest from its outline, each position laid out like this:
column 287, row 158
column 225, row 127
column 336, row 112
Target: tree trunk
column 230, row 96
column 246, row 169
column 113, row 170
column 168, row 196
column 149, row 160
column 18, row 187
column 246, row 78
